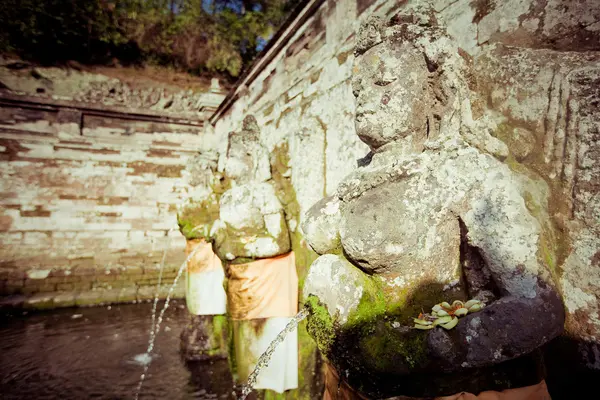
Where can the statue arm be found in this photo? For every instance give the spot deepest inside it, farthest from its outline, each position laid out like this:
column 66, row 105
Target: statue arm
column 529, row 311
column 321, row 225
column 251, row 225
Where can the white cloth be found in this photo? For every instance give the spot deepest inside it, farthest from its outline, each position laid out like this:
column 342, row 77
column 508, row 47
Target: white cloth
column 251, row 339
column 204, row 292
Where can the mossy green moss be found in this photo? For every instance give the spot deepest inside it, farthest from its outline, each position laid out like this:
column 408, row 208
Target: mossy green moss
column 553, row 245
column 368, row 340
column 196, row 218
column 372, row 304
column 231, row 355
column 304, row 256
column 272, row 395
column 320, row 324
column 280, row 168
column 382, row 346
column 229, row 240
column 220, row 332
column 386, row 347
column 220, row 185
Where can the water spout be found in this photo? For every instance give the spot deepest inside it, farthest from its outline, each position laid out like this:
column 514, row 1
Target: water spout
column 156, row 328
column 160, row 273
column 264, row 359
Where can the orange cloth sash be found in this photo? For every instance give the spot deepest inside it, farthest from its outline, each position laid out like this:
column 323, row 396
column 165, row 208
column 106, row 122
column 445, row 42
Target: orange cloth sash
column 263, row 288
column 204, row 259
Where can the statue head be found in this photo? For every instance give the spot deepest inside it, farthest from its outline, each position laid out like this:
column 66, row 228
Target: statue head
column 247, row 160
column 398, row 85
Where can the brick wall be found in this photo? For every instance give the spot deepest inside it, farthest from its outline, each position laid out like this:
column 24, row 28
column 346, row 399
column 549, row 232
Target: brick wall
column 87, row 198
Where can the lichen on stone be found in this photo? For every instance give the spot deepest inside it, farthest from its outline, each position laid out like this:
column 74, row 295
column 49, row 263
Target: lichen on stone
column 195, row 218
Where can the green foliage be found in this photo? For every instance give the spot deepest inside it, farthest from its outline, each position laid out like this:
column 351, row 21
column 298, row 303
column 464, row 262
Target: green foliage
column 192, row 35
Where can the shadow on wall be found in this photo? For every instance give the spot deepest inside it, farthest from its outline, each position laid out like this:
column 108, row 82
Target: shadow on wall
column 568, row 377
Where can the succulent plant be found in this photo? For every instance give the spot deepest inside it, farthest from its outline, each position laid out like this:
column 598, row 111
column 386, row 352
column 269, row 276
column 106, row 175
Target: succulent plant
column 446, row 315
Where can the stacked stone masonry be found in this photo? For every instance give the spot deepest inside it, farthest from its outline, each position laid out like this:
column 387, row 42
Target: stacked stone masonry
column 88, row 200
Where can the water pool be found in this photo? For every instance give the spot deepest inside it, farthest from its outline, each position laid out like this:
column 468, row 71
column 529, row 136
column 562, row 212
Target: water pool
column 97, row 353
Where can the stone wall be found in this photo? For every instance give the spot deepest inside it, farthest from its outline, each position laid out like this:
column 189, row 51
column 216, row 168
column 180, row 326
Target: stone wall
column 89, row 196
column 300, row 94
column 150, row 89
column 533, row 84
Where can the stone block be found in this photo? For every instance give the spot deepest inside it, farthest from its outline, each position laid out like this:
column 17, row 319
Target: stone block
column 128, row 295
column 15, row 283
column 106, row 277
column 65, row 286
column 84, row 269
column 34, row 286
column 56, row 279
column 16, row 275
column 134, row 270
column 64, row 299
column 111, row 296
column 61, row 273
column 132, row 278
column 39, row 301
column 123, row 284
column 82, row 285
column 89, row 298
column 83, row 264
column 101, row 285
column 145, row 293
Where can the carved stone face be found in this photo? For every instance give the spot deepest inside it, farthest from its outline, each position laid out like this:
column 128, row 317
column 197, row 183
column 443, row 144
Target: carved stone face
column 247, row 160
column 391, row 103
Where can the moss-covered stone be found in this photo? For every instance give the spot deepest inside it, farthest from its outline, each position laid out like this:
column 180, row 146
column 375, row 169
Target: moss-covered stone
column 205, row 337
column 377, row 338
column 304, row 256
column 196, row 218
column 320, row 324
column 541, row 200
column 235, row 242
column 284, row 189
column 384, row 347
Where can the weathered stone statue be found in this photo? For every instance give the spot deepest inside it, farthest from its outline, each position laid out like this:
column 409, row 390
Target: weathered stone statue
column 252, row 240
column 252, row 221
column 205, row 335
column 435, row 215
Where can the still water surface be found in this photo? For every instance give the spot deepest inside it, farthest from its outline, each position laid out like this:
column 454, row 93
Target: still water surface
column 97, row 353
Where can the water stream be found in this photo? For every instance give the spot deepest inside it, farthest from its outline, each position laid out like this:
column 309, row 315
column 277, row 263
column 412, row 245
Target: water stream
column 155, row 328
column 264, row 359
column 159, row 283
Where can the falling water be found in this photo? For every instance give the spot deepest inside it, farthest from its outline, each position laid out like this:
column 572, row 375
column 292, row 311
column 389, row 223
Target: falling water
column 156, row 328
column 264, row 359
column 160, row 273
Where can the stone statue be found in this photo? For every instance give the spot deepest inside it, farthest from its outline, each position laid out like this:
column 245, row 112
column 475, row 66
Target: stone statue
column 252, row 239
column 435, row 215
column 205, row 335
column 252, row 222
